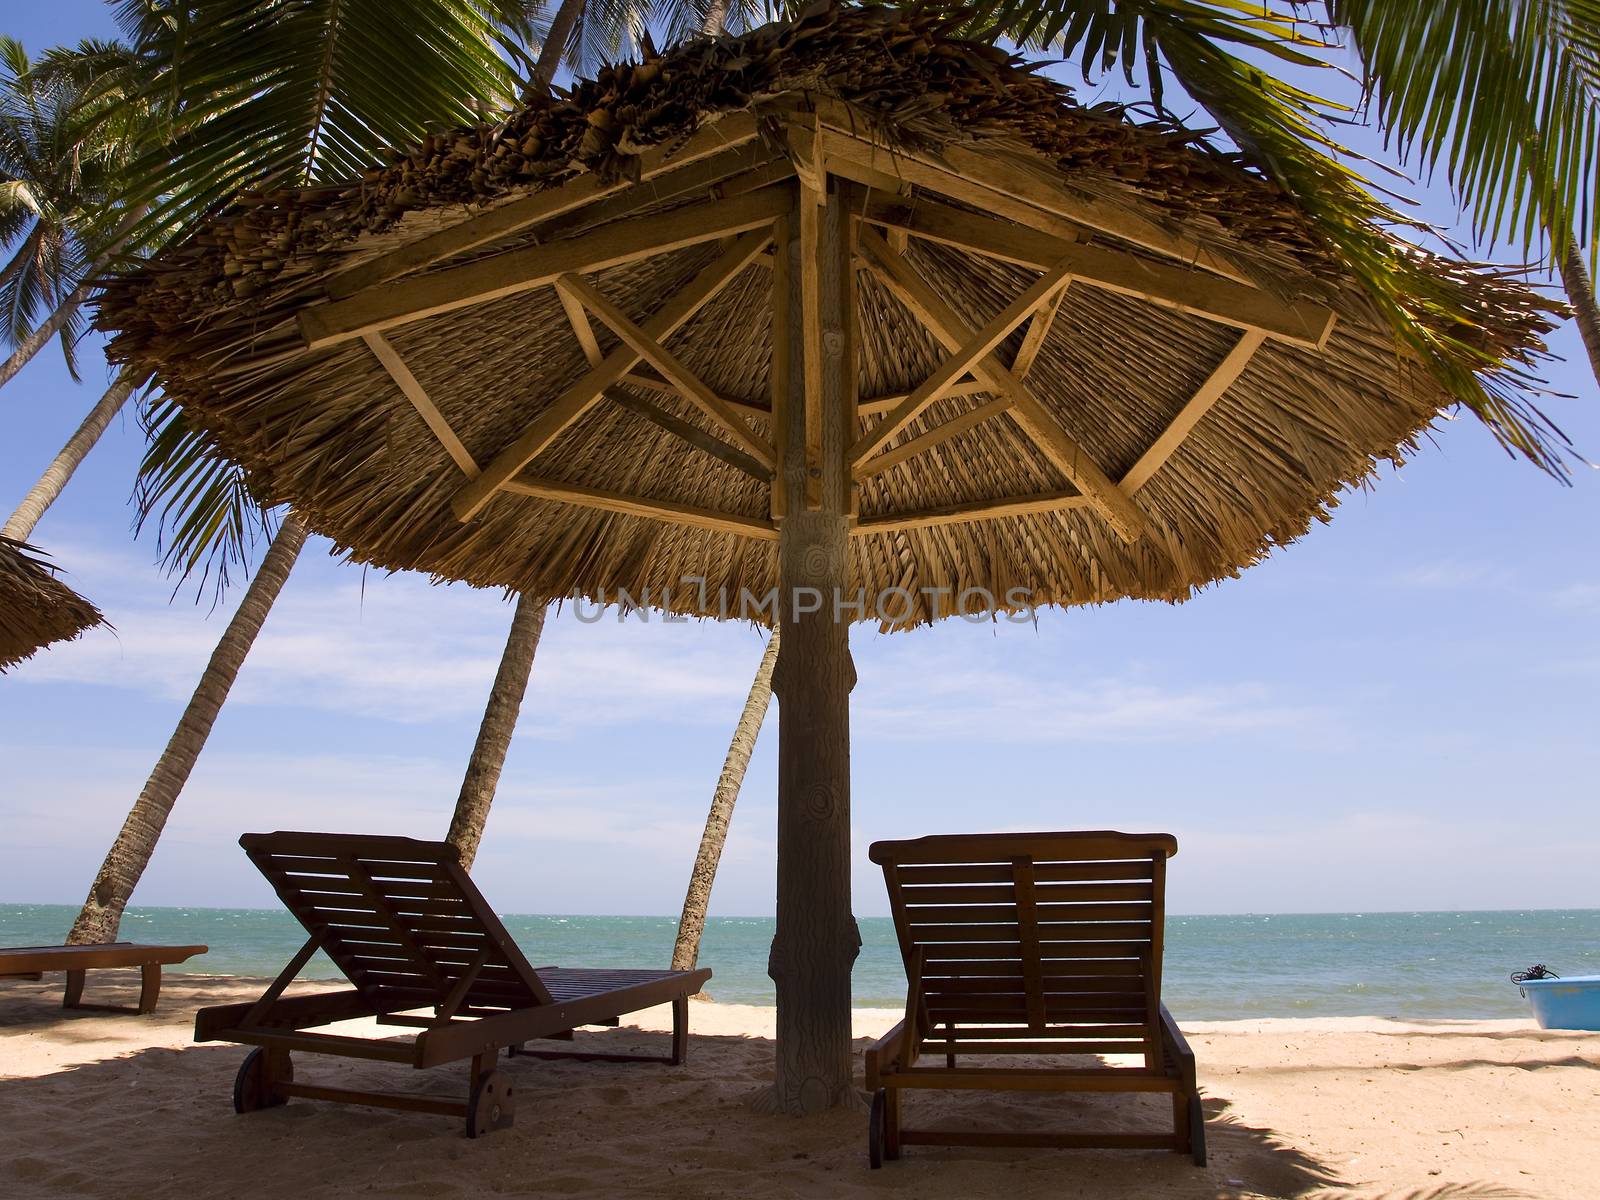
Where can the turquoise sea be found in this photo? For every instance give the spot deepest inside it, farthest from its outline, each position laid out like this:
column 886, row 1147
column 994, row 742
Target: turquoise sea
column 1408, row 965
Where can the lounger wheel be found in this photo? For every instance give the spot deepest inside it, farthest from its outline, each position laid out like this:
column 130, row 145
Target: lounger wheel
column 877, row 1128
column 492, row 1105
column 1197, row 1130
column 253, row 1085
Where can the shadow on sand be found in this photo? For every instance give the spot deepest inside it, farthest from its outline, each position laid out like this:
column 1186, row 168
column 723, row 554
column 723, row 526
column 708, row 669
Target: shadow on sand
column 159, row 1122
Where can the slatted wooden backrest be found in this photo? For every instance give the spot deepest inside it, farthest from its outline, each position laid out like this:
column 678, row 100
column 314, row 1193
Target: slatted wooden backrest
column 1034, row 941
column 399, row 917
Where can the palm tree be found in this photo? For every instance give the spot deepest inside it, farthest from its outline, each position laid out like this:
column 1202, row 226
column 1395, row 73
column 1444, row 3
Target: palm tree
column 257, row 94
column 1520, row 151
column 130, row 853
column 494, row 732
column 43, row 493
column 692, row 922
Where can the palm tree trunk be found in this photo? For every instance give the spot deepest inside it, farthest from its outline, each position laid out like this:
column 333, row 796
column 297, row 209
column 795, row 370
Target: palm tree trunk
column 716, row 16
column 1580, row 291
column 130, row 853
column 555, row 43
column 494, row 734
column 686, row 950
column 40, row 337
column 43, row 493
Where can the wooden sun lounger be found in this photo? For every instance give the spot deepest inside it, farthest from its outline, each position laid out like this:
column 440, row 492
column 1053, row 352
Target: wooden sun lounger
column 1037, row 944
column 422, row 949
column 31, row 962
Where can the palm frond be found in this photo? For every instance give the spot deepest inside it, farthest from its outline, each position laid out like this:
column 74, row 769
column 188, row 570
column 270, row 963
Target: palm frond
column 1504, row 95
column 205, row 517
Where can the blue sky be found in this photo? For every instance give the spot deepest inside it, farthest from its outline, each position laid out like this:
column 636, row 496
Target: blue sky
column 1398, row 712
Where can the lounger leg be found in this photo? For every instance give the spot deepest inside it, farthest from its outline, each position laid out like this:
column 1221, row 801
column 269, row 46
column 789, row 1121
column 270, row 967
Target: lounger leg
column 680, row 1030
column 891, row 1123
column 149, row 986
column 74, row 994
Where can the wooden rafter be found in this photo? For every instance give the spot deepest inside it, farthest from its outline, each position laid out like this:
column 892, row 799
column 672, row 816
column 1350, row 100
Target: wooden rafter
column 778, row 371
column 486, row 228
column 1038, row 330
column 809, row 265
column 586, row 392
column 640, row 506
column 1209, row 392
column 422, row 402
column 1015, row 183
column 578, row 318
column 871, row 406
column 410, row 299
column 960, row 360
column 937, row 436
column 978, row 510
column 658, row 356
column 1057, row 444
column 1299, row 322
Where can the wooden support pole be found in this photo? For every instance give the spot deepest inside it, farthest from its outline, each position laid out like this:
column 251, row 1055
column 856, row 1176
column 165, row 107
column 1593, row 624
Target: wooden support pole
column 816, row 940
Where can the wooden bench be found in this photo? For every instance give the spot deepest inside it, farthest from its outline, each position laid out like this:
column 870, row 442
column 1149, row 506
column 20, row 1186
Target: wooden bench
column 422, row 950
column 31, row 962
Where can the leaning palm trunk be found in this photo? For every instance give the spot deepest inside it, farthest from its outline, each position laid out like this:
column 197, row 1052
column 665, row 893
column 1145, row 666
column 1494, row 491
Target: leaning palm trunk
column 43, row 493
column 40, row 337
column 686, row 950
column 555, row 43
column 494, row 734
column 1580, row 291
column 716, row 16
column 130, row 853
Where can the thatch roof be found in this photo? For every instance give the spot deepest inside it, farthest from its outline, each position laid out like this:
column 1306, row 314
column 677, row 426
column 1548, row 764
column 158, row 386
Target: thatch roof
column 36, row 608
column 263, row 329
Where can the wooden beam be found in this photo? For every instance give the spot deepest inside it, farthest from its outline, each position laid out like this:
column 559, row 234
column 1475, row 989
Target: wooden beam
column 778, row 371
column 811, row 200
column 961, row 360
column 1038, row 330
column 874, row 406
column 1298, row 322
column 982, row 510
column 578, row 318
column 936, row 436
column 663, row 360
column 504, row 220
column 583, row 394
column 514, row 271
column 639, row 506
column 1058, row 445
column 1008, row 181
column 420, row 400
column 693, row 434
column 1209, row 392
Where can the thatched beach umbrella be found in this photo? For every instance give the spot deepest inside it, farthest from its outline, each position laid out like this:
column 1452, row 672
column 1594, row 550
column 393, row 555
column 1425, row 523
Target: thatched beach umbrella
column 842, row 314
column 36, row 608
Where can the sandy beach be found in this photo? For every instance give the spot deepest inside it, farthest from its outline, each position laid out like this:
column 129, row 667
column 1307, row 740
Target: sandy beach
column 105, row 1104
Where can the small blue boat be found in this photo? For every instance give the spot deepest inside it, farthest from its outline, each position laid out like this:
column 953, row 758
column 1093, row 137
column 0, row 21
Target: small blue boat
column 1572, row 1003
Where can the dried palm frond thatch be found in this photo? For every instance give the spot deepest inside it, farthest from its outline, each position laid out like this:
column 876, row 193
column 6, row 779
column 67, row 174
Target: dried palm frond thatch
column 346, row 426
column 36, row 608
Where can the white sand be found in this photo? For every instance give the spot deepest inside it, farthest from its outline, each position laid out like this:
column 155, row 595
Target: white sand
column 93, row 1104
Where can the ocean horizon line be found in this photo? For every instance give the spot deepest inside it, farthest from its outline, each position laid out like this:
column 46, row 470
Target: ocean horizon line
column 635, row 916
